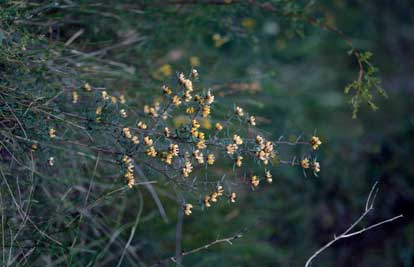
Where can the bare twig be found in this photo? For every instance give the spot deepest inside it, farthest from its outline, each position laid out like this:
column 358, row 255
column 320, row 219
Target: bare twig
column 349, row 232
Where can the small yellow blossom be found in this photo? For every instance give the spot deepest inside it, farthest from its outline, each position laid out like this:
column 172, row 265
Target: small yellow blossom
column 166, row 90
column 51, row 161
column 167, row 132
column 122, row 99
column 254, row 181
column 305, row 163
column 123, row 113
column 176, row 100
column 194, row 132
column 206, row 111
column 135, row 140
column 33, row 147
column 142, row 125
column 198, row 155
column 105, row 95
column 210, row 159
column 231, row 148
column 237, row 139
column 201, row 144
column 187, row 83
column 98, row 110
column 201, row 135
column 219, row 190
column 52, row 133
column 233, row 197
column 114, row 100
column 209, row 99
column 151, row 152
column 75, row 97
column 316, row 166
column 259, row 140
column 315, row 142
column 239, row 111
column 174, row 150
column 194, row 73
column 187, row 169
column 87, row 87
column 195, row 124
column 213, row 197
column 207, row 201
column 189, row 110
column 219, row 127
column 252, row 121
column 239, row 161
column 187, row 209
column 127, row 132
column 148, row 141
column 269, row 177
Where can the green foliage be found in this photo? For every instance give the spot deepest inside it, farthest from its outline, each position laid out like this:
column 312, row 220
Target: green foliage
column 367, row 81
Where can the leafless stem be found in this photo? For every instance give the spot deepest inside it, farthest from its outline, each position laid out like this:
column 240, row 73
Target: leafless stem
column 349, row 232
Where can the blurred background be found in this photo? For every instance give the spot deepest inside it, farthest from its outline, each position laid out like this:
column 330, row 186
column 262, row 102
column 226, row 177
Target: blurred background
column 292, row 76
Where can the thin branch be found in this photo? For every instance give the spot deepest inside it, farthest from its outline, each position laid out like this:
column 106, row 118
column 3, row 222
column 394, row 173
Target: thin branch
column 369, row 206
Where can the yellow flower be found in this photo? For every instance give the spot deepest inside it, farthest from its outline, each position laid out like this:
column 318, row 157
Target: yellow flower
column 187, row 169
column 201, row 135
column 239, row 111
column 206, row 111
column 105, row 95
column 233, row 197
column 51, row 161
column 231, row 148
column 127, row 132
column 316, row 166
column 176, row 100
column 305, row 163
column 52, row 133
column 87, row 87
column 259, row 140
column 201, row 144
column 148, row 141
column 219, row 127
column 194, row 73
column 219, row 190
column 189, row 110
column 123, row 113
column 135, row 139
column 207, row 201
column 269, row 177
column 198, row 156
column 187, row 209
column 315, row 142
column 210, row 159
column 151, row 152
column 122, row 99
column 33, row 147
column 254, row 181
column 167, row 132
column 75, row 97
column 237, row 139
column 195, row 124
column 187, row 83
column 142, row 125
column 194, row 132
column 166, row 90
column 174, row 150
column 252, row 121
column 219, row 40
column 239, row 161
column 113, row 99
column 98, row 110
column 194, row 61
column 213, row 197
column 209, row 99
